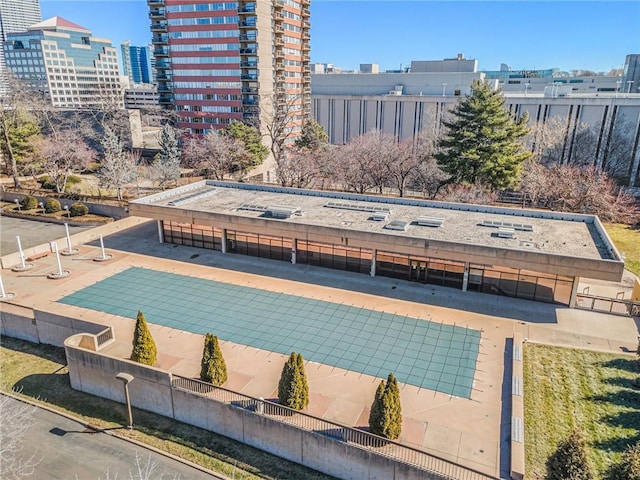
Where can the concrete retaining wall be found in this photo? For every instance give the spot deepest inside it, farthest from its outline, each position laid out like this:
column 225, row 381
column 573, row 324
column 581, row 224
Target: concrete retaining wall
column 96, row 208
column 151, row 389
column 18, row 322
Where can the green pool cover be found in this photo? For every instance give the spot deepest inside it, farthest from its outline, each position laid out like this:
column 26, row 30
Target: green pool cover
column 418, row 352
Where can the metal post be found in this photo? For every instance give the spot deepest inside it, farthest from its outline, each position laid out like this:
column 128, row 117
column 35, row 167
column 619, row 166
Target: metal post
column 4, row 295
column 373, row 263
column 294, row 244
column 102, row 247
column 125, row 378
column 224, row 240
column 160, row 232
column 21, row 253
column 55, row 250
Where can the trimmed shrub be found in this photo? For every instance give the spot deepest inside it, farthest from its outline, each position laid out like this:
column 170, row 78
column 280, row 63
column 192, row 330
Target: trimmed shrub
column 78, row 209
column 570, row 462
column 293, row 389
column 144, row 348
column 29, row 203
column 629, row 466
column 213, row 367
column 46, row 183
column 52, row 206
column 385, row 418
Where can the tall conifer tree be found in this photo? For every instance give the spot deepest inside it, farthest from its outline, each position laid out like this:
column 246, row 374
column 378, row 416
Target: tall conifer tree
column 144, row 347
column 483, row 141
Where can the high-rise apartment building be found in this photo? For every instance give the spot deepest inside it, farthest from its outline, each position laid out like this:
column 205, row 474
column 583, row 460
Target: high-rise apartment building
column 219, row 61
column 15, row 16
column 136, row 63
column 65, row 62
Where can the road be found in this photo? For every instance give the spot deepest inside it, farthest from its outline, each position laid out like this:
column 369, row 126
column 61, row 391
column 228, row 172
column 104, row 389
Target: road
column 66, row 450
column 31, row 233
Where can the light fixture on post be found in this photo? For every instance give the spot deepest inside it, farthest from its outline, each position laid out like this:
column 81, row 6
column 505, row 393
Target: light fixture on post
column 126, row 379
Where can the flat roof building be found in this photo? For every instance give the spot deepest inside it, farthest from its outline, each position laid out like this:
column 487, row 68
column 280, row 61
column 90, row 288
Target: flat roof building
column 535, row 255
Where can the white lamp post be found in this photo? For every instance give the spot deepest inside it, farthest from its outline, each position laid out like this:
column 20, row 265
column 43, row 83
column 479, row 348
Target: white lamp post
column 444, row 89
column 126, row 379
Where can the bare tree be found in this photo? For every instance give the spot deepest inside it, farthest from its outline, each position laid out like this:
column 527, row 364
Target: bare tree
column 402, row 164
column 145, row 470
column 17, row 419
column 64, row 154
column 280, row 123
column 216, row 154
column 617, row 156
column 571, row 188
column 166, row 164
column 468, row 193
column 427, row 176
column 117, row 167
column 297, row 168
column 547, row 140
column 364, row 161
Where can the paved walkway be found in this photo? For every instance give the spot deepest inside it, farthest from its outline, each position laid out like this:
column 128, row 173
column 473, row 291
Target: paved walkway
column 469, row 431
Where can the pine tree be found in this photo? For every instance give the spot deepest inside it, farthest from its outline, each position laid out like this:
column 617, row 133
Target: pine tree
column 144, row 348
column 293, row 390
column 385, row 418
column 213, row 367
column 252, row 140
column 483, row 141
column 376, row 416
column 313, row 136
column 570, row 461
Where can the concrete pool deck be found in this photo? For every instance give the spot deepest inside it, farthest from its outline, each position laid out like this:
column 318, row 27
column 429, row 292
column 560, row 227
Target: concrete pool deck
column 472, row 431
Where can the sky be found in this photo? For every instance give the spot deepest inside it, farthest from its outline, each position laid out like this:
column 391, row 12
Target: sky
column 591, row 35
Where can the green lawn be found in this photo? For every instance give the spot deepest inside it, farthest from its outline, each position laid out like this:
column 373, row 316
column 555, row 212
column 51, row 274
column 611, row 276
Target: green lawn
column 40, row 373
column 566, row 388
column 627, row 240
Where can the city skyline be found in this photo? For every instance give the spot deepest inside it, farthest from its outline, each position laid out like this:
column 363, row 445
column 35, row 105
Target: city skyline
column 525, row 35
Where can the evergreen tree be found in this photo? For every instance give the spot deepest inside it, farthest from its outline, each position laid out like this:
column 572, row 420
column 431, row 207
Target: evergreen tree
column 629, row 466
column 213, row 367
column 570, row 461
column 252, row 140
column 144, row 348
column 376, row 416
column 482, row 144
column 313, row 136
column 166, row 164
column 293, row 390
column 385, row 418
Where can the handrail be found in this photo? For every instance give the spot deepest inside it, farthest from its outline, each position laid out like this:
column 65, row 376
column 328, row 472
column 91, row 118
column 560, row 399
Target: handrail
column 447, row 469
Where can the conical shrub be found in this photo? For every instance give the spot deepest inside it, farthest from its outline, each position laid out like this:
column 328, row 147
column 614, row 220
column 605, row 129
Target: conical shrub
column 629, row 466
column 293, row 389
column 385, row 418
column 213, row 367
column 144, row 348
column 570, row 462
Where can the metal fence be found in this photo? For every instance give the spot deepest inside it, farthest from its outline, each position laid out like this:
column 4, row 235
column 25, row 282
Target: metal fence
column 608, row 305
column 445, row 469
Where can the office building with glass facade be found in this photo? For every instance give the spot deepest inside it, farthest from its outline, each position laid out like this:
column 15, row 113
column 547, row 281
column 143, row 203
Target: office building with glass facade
column 66, row 63
column 533, row 255
column 221, row 61
column 15, row 16
column 137, row 64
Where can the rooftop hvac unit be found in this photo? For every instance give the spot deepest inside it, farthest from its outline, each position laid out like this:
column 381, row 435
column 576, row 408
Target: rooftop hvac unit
column 397, row 225
column 282, row 211
column 505, row 232
column 430, row 221
column 380, row 216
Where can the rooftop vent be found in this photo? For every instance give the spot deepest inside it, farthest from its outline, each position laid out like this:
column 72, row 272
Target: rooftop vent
column 206, row 192
column 397, row 225
column 358, row 208
column 516, row 226
column 430, row 221
column 282, row 211
column 380, row 216
column 252, row 207
column 505, row 232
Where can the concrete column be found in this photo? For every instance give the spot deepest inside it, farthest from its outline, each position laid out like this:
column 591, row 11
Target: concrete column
column 465, row 277
column 224, row 240
column 294, row 245
column 574, row 292
column 373, row 262
column 160, row 232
